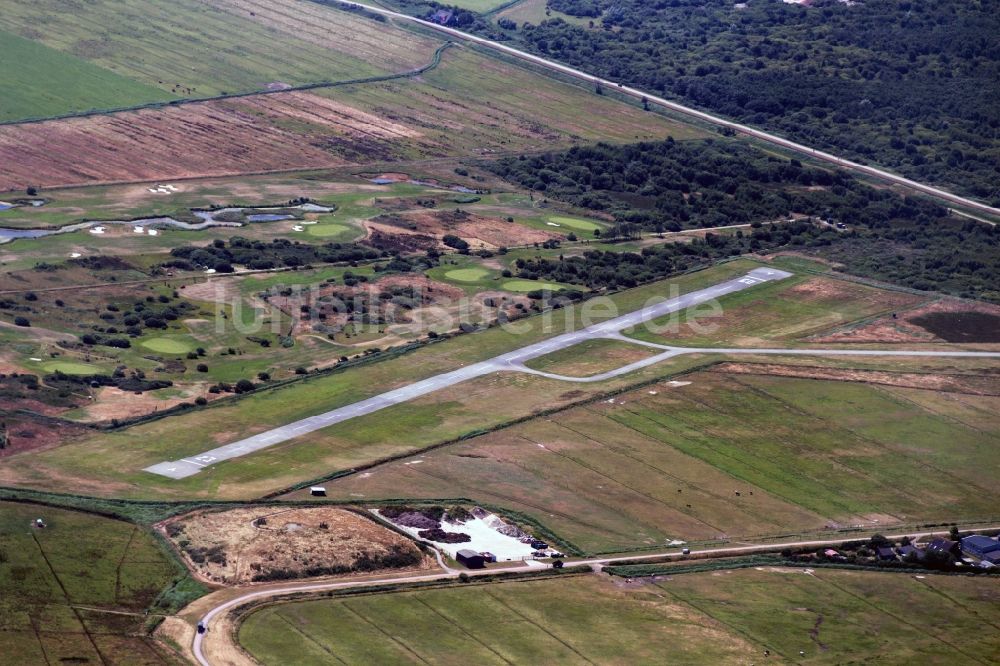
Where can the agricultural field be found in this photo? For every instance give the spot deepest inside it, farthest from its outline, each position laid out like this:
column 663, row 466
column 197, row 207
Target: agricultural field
column 76, row 590
column 828, row 617
column 192, row 48
column 283, row 131
column 481, row 105
column 470, row 105
column 71, row 84
column 730, row 452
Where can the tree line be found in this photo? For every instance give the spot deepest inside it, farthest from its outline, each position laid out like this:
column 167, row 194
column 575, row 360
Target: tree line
column 907, row 84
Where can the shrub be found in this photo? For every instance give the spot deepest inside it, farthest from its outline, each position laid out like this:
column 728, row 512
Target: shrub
column 22, row 321
column 455, row 242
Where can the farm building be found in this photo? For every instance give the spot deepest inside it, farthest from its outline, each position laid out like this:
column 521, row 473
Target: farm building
column 979, row 545
column 993, row 557
column 943, row 546
column 906, row 550
column 886, row 553
column 470, row 558
column 442, row 16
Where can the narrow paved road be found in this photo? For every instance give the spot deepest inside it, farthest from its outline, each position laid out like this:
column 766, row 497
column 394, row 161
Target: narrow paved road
column 199, row 648
column 688, row 111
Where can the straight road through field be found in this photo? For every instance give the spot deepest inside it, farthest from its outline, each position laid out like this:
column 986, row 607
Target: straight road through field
column 179, row 469
column 688, row 111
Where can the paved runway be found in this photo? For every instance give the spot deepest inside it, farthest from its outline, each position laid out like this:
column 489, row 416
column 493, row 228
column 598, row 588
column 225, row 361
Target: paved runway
column 179, row 469
column 514, row 361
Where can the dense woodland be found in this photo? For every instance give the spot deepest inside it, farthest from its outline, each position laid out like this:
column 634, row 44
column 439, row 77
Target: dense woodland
column 907, row 84
column 666, row 185
column 259, row 255
column 670, row 185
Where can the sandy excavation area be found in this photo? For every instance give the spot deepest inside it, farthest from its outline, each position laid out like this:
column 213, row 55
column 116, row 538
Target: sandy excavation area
column 293, row 130
column 267, row 543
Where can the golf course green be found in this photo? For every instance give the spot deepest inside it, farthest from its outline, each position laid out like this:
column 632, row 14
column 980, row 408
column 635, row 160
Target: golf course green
column 467, row 274
column 166, row 345
column 574, row 223
column 71, row 368
column 530, row 285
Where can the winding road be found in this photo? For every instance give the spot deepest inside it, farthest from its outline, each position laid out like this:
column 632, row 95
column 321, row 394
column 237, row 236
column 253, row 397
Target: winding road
column 199, row 648
column 688, row 111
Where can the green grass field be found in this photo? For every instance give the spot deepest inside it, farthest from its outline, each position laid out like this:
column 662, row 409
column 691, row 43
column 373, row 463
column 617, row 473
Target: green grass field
column 78, row 560
column 591, row 357
column 47, row 82
column 332, row 231
column 479, row 6
column 70, row 368
column 478, row 101
column 732, row 617
column 532, row 285
column 665, row 462
column 574, row 223
column 789, row 311
column 166, row 345
column 467, row 274
column 207, row 49
column 536, row 11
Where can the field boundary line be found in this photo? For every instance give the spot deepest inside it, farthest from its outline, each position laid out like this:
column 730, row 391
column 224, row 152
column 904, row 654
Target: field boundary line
column 382, row 631
column 898, row 618
column 746, row 635
column 537, row 625
column 76, row 612
column 970, row 611
column 462, row 629
column 184, row 101
column 884, row 388
column 300, row 633
column 121, row 562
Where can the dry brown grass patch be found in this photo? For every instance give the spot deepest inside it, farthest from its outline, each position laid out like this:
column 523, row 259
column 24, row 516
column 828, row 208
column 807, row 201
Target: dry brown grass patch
column 254, row 540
